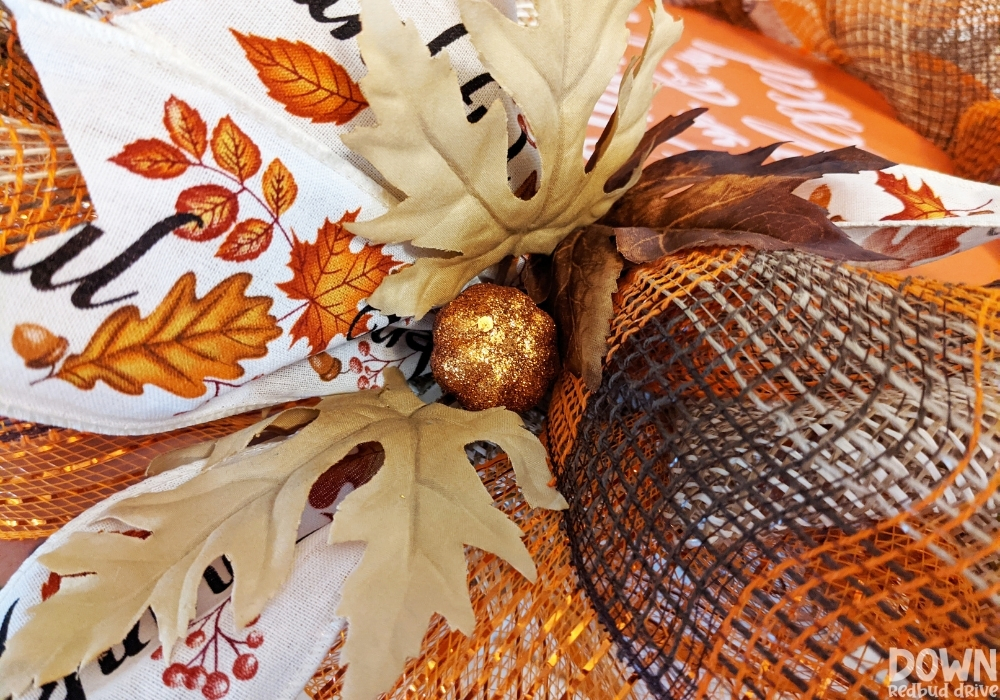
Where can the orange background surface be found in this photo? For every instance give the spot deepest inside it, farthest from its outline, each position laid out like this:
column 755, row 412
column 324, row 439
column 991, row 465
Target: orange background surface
column 759, row 91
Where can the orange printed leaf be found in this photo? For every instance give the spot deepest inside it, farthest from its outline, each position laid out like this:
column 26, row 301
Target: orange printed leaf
column 247, row 241
column 216, row 206
column 821, row 196
column 186, row 127
column 181, row 343
column 152, row 158
column 307, row 82
column 917, row 204
column 279, row 186
column 234, row 151
column 920, row 244
column 333, row 281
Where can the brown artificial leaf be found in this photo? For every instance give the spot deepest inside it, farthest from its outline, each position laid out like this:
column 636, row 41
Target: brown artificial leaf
column 186, row 127
column 641, row 204
column 585, row 276
column 216, row 206
column 184, row 341
column 333, row 281
column 153, row 159
column 917, row 204
column 247, row 241
column 416, row 515
column 536, row 275
column 279, row 187
column 663, row 131
column 919, row 244
column 309, row 83
column 37, row 345
column 234, row 151
column 735, row 210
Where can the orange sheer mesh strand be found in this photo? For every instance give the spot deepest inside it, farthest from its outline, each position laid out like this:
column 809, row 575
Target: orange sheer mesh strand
column 48, row 475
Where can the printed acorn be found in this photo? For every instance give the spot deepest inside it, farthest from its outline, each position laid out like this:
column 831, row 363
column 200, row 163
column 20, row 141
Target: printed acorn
column 38, row 346
column 494, row 347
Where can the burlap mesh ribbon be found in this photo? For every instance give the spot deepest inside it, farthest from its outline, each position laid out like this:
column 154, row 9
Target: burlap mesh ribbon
column 937, row 63
column 790, row 468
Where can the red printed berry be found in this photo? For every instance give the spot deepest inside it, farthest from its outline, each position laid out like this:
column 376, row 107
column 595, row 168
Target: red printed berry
column 195, row 677
column 355, row 364
column 255, row 639
column 245, row 667
column 158, row 654
column 364, row 348
column 363, row 382
column 174, row 675
column 253, row 621
column 195, row 639
column 216, row 686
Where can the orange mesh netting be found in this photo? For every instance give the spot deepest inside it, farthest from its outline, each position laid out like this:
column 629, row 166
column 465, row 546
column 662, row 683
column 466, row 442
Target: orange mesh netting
column 532, row 640
column 790, row 468
column 49, row 475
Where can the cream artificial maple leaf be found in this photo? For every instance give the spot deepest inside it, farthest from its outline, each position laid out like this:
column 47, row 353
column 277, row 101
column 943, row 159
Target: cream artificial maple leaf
column 455, row 173
column 416, row 514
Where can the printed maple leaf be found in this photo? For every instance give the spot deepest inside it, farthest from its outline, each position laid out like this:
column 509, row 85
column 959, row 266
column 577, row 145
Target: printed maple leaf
column 333, row 281
column 181, row 343
column 416, row 516
column 307, row 82
column 454, row 172
column 917, row 204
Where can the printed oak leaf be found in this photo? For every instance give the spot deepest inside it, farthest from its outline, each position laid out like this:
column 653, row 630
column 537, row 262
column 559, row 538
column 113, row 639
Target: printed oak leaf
column 454, row 173
column 181, row 343
column 307, row 82
column 415, row 515
column 917, row 204
column 333, row 281
column 234, row 151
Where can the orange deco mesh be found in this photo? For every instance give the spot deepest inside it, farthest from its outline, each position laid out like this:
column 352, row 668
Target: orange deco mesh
column 790, row 468
column 48, row 475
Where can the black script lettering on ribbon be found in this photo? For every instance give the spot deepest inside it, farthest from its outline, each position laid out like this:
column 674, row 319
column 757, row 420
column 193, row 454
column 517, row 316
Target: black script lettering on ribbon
column 350, row 25
column 214, row 581
column 42, row 272
column 132, row 645
column 388, row 336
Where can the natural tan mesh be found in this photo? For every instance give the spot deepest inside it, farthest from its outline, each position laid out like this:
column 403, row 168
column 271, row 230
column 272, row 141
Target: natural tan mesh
column 533, row 640
column 789, row 468
column 937, row 62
